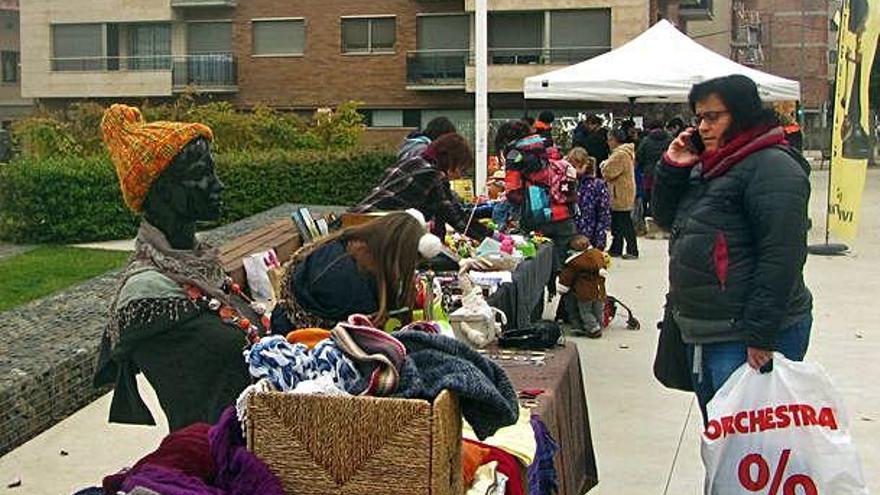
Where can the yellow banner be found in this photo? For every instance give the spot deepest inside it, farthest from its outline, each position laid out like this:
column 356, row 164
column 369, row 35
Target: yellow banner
column 851, row 141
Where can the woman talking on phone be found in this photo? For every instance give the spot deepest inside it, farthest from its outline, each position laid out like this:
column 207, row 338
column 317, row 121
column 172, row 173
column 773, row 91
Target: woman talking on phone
column 734, row 196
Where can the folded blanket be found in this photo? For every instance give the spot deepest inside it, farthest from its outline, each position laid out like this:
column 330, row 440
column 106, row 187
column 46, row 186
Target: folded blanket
column 435, row 362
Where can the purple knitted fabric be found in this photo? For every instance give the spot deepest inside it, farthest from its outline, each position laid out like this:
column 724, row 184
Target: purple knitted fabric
column 239, row 472
column 167, row 482
column 542, row 473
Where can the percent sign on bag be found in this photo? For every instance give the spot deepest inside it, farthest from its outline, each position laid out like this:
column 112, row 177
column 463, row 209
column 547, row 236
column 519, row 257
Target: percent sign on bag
column 780, row 433
column 754, row 476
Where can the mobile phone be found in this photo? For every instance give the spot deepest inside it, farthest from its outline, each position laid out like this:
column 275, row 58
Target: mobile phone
column 697, row 142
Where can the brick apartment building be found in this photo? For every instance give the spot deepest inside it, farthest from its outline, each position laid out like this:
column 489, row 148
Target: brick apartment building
column 795, row 39
column 12, row 105
column 406, row 60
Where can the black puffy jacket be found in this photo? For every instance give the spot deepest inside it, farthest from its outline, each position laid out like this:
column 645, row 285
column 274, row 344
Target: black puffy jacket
column 737, row 246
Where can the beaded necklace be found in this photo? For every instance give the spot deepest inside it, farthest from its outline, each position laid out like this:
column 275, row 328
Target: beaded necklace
column 228, row 314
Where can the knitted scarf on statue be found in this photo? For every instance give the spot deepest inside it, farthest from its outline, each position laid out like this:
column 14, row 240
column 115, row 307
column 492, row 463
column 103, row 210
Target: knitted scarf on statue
column 198, row 267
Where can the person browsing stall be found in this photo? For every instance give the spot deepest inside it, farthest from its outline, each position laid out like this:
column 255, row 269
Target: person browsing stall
column 365, row 269
column 734, row 195
column 422, row 182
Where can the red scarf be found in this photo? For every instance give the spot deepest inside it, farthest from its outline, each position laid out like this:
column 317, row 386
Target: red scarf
column 718, row 162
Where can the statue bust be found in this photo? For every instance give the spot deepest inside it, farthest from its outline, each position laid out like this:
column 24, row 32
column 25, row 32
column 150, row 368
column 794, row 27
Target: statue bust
column 165, row 318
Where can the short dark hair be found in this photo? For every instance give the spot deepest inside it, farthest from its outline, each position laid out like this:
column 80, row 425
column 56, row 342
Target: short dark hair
column 437, row 127
column 740, row 96
column 654, row 124
column 451, row 152
column 676, row 122
column 619, row 134
column 594, row 119
column 628, row 124
column 546, row 117
column 508, row 133
column 527, row 120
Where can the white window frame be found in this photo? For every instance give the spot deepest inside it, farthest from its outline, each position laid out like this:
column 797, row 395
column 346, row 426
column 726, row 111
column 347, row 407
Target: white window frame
column 277, row 19
column 369, row 51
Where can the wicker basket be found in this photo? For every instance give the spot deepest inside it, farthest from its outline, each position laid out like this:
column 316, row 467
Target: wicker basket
column 321, row 445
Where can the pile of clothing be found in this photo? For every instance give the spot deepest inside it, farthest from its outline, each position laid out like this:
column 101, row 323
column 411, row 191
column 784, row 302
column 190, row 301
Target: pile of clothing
column 199, row 459
column 499, row 464
column 415, row 362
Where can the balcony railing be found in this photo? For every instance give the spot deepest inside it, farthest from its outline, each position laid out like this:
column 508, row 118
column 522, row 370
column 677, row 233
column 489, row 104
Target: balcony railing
column 543, row 56
column 209, row 70
column 206, row 71
column 436, row 67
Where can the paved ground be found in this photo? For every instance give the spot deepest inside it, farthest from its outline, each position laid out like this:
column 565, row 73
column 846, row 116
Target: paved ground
column 636, row 423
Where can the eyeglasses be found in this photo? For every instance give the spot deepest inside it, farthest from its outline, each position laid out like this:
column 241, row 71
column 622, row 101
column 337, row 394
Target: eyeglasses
column 710, row 116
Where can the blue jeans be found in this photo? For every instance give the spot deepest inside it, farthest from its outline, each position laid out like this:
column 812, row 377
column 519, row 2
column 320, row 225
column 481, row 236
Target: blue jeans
column 722, row 359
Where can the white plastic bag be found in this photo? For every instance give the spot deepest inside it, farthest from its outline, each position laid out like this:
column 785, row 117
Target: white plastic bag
column 785, row 432
column 475, row 323
column 257, row 267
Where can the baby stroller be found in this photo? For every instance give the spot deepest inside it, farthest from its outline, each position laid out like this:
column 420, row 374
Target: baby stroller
column 611, row 303
column 609, row 312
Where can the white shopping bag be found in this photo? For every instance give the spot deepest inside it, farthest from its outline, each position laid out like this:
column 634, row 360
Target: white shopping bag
column 257, row 267
column 780, row 433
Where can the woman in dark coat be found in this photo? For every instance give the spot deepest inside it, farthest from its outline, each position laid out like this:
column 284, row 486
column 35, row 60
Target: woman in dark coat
column 737, row 212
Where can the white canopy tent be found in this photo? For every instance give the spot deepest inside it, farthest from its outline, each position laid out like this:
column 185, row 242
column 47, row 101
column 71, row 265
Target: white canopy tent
column 660, row 65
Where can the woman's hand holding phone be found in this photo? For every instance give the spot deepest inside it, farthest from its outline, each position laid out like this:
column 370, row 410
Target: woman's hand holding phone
column 682, row 150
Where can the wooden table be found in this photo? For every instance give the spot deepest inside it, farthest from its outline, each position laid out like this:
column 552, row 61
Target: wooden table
column 563, row 409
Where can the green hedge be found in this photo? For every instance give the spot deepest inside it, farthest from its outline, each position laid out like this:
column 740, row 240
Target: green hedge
column 66, row 200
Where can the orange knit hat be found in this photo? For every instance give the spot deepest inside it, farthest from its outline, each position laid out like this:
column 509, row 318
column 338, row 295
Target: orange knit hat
column 141, row 151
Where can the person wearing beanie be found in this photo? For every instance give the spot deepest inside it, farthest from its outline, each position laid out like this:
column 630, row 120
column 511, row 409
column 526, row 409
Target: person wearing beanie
column 165, row 318
column 422, row 182
column 365, row 269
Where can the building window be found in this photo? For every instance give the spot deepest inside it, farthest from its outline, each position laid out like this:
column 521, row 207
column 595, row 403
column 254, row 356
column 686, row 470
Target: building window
column 516, row 37
column 442, row 32
column 368, row 35
column 442, row 50
column 279, row 37
column 9, row 61
column 78, row 47
column 209, row 37
column 548, row 37
column 149, row 46
column 387, row 118
column 577, row 35
column 209, row 60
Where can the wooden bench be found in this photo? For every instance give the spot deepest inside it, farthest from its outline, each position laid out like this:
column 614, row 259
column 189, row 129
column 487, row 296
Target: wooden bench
column 281, row 235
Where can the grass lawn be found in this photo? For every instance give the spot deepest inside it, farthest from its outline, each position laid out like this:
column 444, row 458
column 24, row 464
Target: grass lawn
column 47, row 269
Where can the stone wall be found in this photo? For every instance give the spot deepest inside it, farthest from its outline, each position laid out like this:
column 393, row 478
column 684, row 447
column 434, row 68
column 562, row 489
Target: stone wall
column 49, row 347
